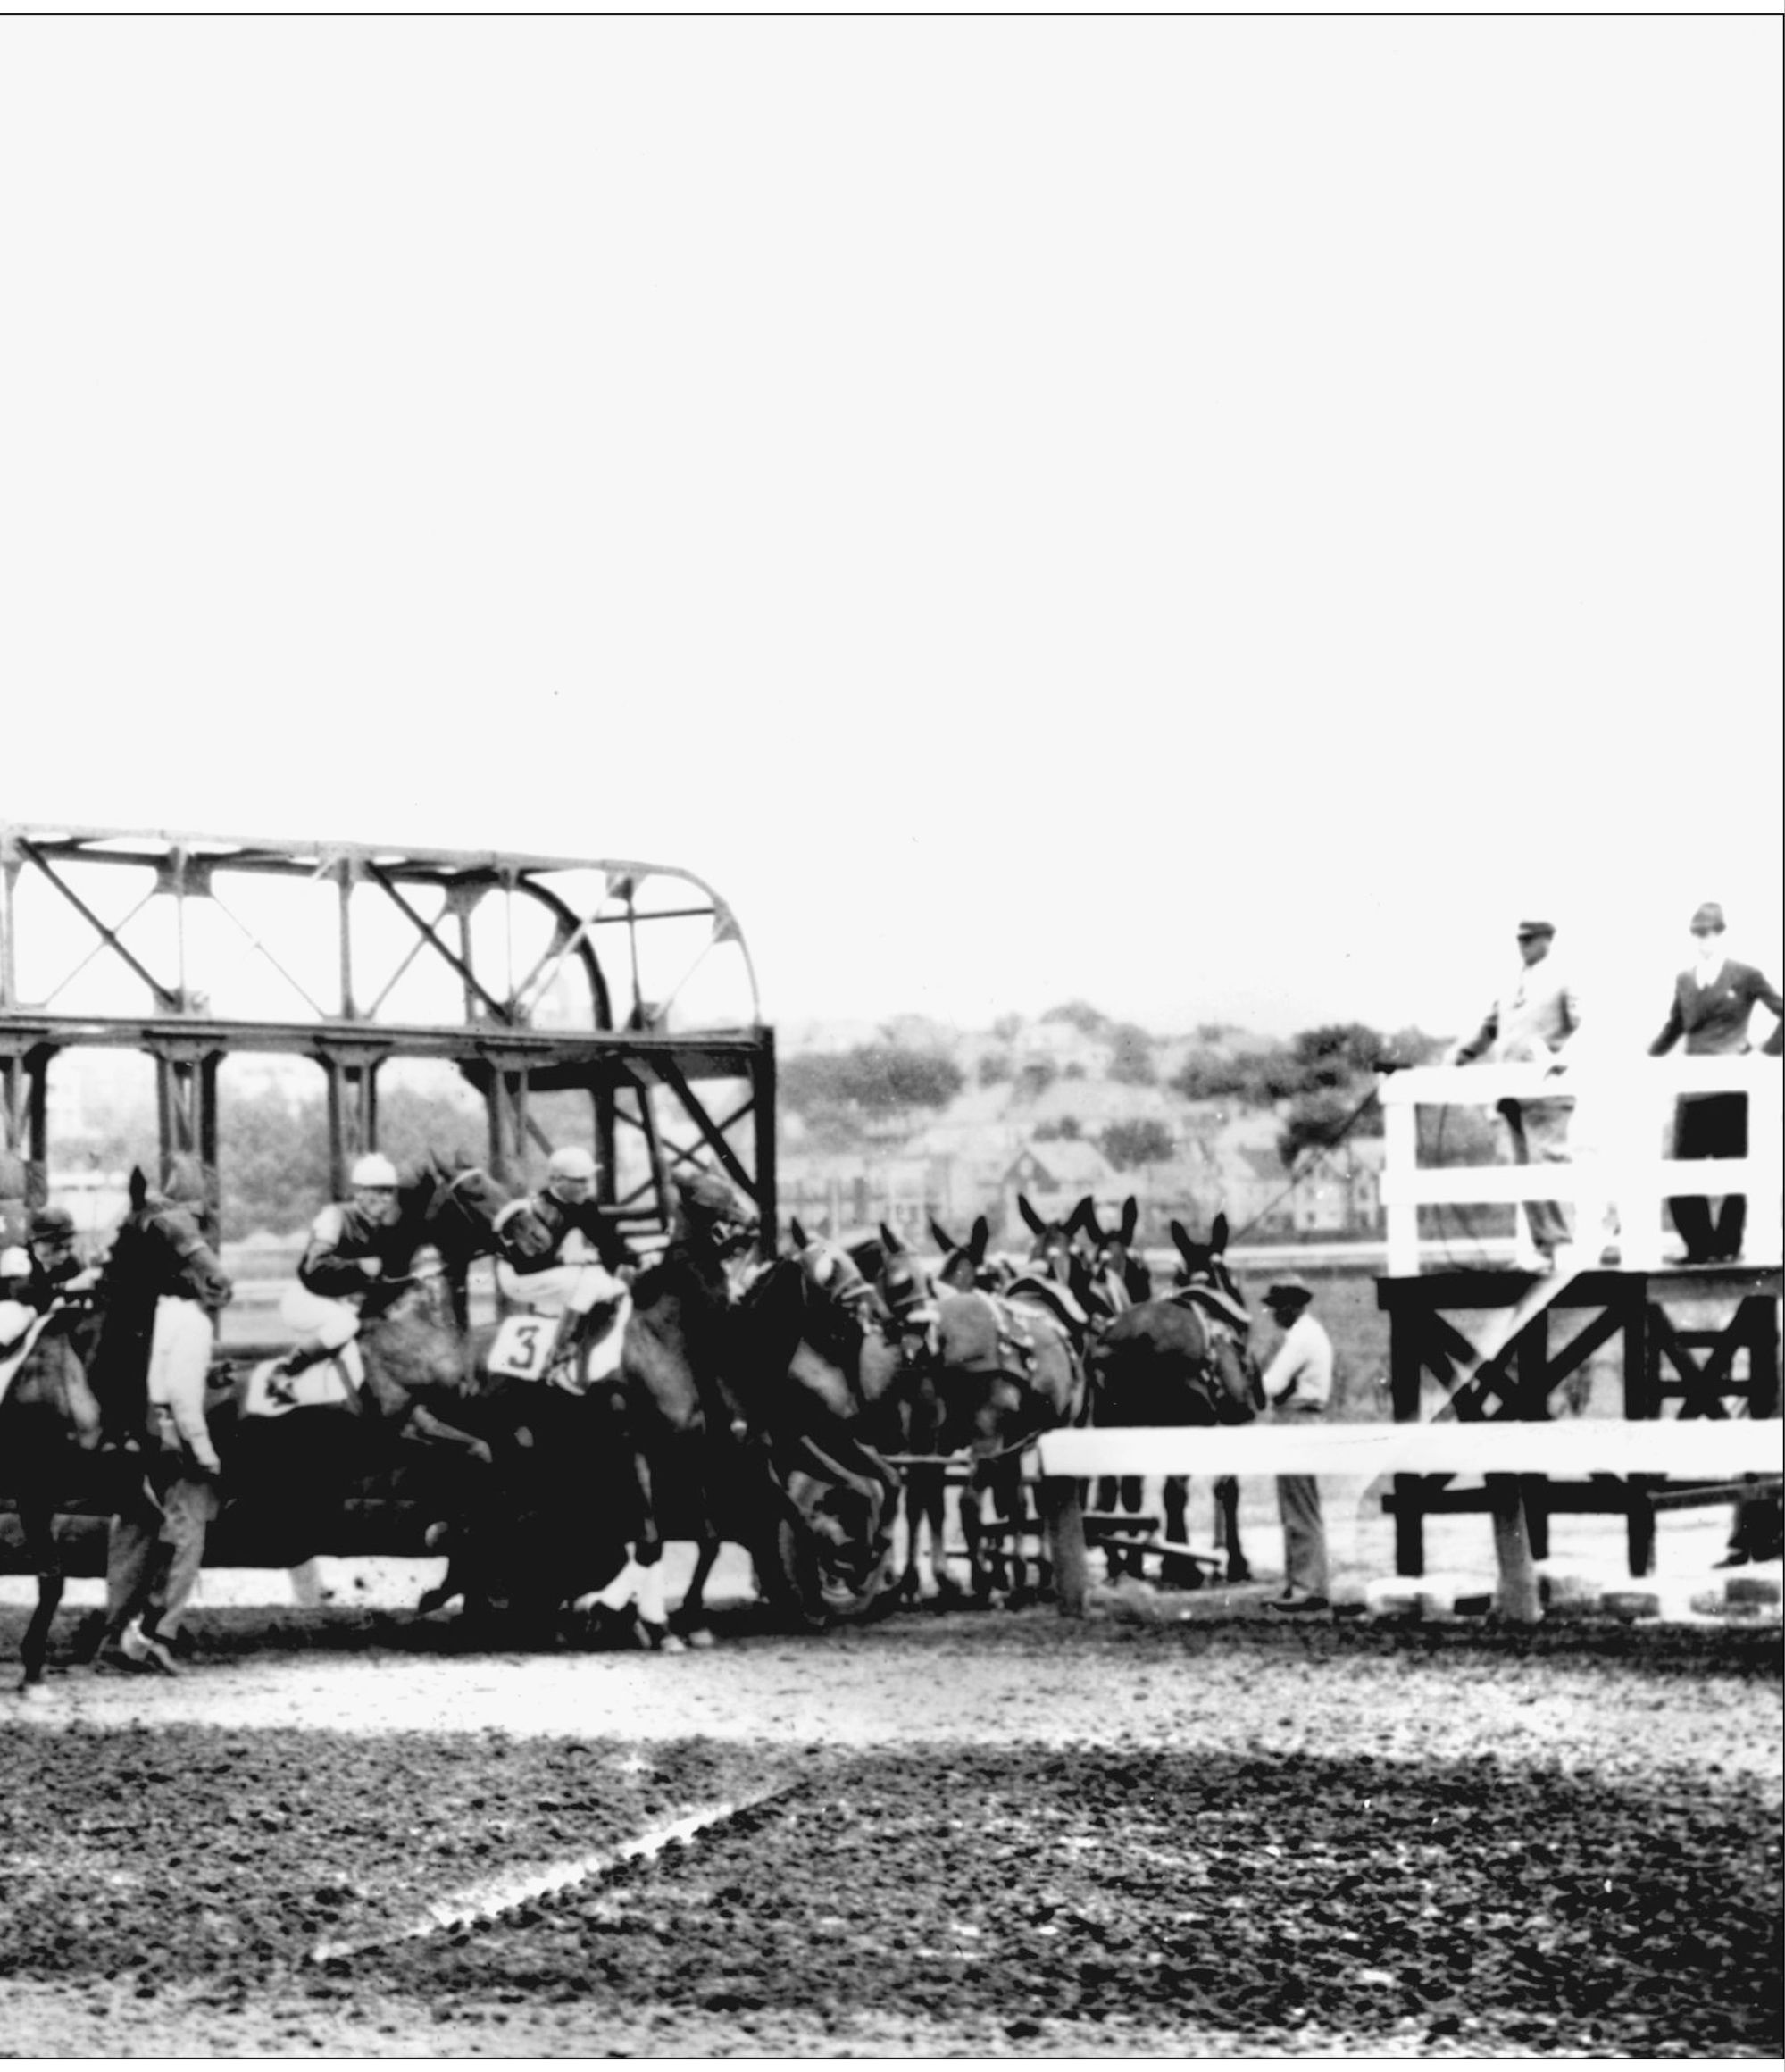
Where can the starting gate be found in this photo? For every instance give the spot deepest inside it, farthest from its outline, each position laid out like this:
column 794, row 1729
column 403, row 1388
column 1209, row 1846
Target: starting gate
column 628, row 983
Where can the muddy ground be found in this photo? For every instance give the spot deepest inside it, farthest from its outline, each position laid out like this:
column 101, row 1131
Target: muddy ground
column 1181, row 1827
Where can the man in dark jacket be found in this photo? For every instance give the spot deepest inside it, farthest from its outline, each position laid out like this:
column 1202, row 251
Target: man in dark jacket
column 1713, row 1001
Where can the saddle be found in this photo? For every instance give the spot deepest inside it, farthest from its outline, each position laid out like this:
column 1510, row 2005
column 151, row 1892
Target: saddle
column 1061, row 1302
column 1217, row 1308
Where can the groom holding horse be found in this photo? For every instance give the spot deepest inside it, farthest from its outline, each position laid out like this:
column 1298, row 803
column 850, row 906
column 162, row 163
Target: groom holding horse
column 162, row 1291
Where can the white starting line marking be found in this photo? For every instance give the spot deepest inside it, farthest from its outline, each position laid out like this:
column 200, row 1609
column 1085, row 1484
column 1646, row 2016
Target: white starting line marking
column 495, row 1896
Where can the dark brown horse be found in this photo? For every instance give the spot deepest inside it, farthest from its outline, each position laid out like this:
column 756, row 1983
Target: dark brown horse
column 1004, row 1369
column 1178, row 1360
column 431, row 1425
column 821, row 1372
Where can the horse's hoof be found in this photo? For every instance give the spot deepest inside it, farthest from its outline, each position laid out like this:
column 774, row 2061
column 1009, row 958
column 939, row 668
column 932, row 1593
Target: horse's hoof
column 660, row 1640
column 33, row 1690
column 697, row 1637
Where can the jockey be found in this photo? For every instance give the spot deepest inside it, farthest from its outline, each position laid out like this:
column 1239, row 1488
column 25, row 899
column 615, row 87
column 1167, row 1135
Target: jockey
column 358, row 1261
column 590, row 1261
column 55, row 1266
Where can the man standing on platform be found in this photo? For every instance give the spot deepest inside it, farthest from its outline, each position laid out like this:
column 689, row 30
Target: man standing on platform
column 1533, row 1022
column 1297, row 1386
column 1714, row 999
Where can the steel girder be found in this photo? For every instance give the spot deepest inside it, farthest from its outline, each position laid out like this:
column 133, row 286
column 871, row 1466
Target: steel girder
column 529, row 974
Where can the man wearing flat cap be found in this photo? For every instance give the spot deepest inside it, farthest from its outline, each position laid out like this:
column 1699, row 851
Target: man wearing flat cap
column 1298, row 1385
column 1534, row 1020
column 1714, row 999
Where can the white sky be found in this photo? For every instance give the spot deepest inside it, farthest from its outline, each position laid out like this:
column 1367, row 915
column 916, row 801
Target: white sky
column 1215, row 517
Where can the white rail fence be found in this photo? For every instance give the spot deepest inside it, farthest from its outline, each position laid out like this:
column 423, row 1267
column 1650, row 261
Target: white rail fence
column 1690, row 1449
column 1617, row 1175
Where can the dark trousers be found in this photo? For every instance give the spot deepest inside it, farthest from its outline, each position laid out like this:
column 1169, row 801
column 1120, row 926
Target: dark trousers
column 1305, row 1572
column 1710, row 1125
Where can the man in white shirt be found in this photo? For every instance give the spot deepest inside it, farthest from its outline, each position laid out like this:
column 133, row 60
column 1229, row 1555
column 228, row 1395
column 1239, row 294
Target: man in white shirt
column 1532, row 1021
column 1297, row 1386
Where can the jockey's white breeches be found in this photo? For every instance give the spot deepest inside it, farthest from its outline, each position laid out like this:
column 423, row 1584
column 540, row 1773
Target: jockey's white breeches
column 331, row 1322
column 553, row 1290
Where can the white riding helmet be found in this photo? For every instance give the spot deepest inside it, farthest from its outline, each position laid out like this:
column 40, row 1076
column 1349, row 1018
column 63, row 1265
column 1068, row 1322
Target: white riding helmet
column 374, row 1170
column 571, row 1162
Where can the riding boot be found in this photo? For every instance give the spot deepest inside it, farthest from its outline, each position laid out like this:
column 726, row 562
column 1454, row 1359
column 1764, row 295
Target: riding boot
column 306, row 1353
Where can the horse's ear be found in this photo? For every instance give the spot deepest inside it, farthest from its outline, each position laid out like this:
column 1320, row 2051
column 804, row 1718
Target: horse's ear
column 1180, row 1237
column 1217, row 1236
column 1084, row 1218
column 139, row 1189
column 939, row 1237
column 980, row 1239
column 798, row 1229
column 890, row 1238
column 1130, row 1219
column 1028, row 1216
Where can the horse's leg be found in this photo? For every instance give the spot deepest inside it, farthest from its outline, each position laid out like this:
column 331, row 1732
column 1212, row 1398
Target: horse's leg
column 36, row 1518
column 1176, row 1506
column 690, row 1620
column 928, row 1494
column 978, row 1580
column 1010, row 1502
column 1227, row 1527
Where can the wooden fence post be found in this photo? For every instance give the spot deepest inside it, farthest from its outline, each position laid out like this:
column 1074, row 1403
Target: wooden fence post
column 1064, row 1518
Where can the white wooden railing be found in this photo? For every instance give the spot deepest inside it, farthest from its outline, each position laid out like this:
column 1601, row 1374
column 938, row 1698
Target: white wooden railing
column 1620, row 1122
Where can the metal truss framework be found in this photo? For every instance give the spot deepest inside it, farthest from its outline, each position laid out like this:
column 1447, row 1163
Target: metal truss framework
column 421, row 962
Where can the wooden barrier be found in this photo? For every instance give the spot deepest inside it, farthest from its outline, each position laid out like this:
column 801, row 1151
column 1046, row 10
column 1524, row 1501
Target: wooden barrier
column 1623, row 1115
column 1500, row 1449
column 1687, row 1448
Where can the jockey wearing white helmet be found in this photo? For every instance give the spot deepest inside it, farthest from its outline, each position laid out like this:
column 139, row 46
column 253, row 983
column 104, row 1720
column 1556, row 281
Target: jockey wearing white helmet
column 582, row 1233
column 357, row 1261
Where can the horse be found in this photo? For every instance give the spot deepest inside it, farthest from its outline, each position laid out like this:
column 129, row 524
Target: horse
column 1004, row 1369
column 906, row 1420
column 818, row 1372
column 1113, row 1255
column 426, row 1386
column 1067, row 1252
column 671, row 1413
column 1125, row 1278
column 73, row 1390
column 1178, row 1360
column 966, row 1266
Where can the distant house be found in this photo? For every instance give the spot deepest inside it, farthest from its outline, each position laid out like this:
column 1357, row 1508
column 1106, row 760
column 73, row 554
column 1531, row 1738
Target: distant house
column 1054, row 1177
column 832, row 1193
column 1335, row 1193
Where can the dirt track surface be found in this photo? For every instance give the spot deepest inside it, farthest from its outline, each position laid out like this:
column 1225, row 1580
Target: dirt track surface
column 982, row 1834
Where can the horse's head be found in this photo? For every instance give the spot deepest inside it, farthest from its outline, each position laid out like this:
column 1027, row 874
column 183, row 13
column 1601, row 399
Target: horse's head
column 161, row 1250
column 466, row 1214
column 833, row 1278
column 1053, row 1254
column 1065, row 1250
column 964, row 1266
column 1115, row 1259
column 903, row 1286
column 711, row 1213
column 1205, row 1265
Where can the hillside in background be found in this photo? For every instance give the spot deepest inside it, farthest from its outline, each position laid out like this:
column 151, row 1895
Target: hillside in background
column 902, row 1122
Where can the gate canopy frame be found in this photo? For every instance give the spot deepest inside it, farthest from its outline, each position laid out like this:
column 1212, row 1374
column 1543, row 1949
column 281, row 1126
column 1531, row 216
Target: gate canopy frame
column 641, row 1074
